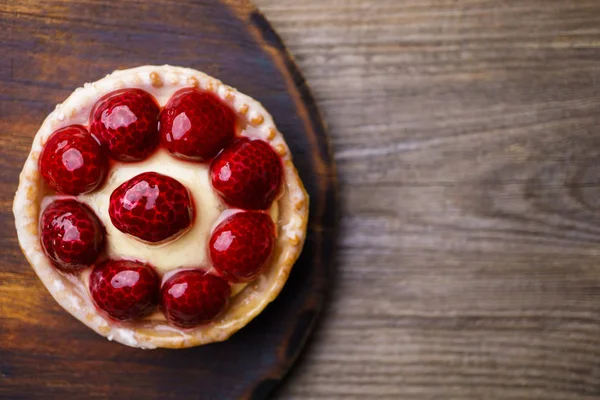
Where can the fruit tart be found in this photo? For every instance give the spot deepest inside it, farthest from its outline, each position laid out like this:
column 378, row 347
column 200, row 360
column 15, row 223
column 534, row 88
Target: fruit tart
column 161, row 207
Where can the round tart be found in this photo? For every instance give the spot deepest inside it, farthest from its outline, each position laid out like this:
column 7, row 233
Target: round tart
column 161, row 207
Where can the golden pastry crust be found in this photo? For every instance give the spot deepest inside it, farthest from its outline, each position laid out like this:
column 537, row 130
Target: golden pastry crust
column 71, row 293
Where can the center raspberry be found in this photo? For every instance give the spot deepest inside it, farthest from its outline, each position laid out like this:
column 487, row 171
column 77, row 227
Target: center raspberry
column 151, row 207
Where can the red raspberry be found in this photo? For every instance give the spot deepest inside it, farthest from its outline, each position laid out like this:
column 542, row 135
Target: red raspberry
column 125, row 290
column 152, row 207
column 241, row 245
column 247, row 174
column 72, row 161
column 194, row 297
column 71, row 235
column 126, row 122
column 196, row 125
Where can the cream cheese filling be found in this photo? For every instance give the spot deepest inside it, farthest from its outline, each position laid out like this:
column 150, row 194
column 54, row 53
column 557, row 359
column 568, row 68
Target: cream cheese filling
column 186, row 250
column 190, row 249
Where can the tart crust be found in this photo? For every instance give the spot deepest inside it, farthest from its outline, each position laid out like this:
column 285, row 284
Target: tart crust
column 72, row 295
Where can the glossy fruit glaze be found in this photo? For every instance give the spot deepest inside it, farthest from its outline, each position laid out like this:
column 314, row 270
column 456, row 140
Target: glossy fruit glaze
column 247, row 174
column 71, row 235
column 72, row 161
column 241, row 245
column 128, row 125
column 196, row 125
column 151, row 207
column 193, row 297
column 125, row 290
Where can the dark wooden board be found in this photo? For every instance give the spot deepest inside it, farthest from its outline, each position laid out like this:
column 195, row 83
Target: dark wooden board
column 51, row 47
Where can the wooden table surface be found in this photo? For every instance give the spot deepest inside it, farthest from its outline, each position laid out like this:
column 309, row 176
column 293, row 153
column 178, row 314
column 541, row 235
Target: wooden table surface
column 467, row 137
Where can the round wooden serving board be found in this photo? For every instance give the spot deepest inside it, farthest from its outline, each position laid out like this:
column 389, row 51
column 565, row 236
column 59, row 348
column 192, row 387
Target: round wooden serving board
column 51, row 47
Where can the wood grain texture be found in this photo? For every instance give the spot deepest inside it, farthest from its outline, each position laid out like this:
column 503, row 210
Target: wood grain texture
column 467, row 139
column 52, row 47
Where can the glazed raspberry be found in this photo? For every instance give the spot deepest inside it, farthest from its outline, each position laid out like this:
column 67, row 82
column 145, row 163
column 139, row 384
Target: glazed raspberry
column 152, row 207
column 126, row 122
column 241, row 245
column 71, row 235
column 247, row 174
column 196, row 125
column 125, row 290
column 72, row 161
column 193, row 297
